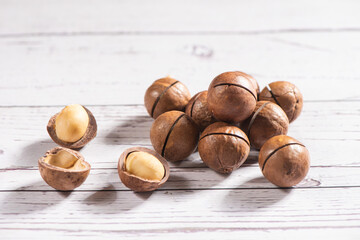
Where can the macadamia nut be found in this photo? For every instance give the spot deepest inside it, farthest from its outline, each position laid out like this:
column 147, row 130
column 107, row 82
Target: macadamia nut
column 142, row 169
column 71, row 123
column 284, row 161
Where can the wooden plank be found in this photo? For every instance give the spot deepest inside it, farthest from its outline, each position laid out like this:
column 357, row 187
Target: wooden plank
column 351, row 233
column 117, row 17
column 187, row 178
column 328, row 129
column 102, row 70
column 166, row 213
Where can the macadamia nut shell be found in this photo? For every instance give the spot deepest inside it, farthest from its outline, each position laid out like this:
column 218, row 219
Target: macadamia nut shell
column 136, row 183
column 174, row 135
column 223, row 147
column 61, row 178
column 284, row 161
column 267, row 120
column 198, row 110
column 232, row 97
column 164, row 95
column 286, row 95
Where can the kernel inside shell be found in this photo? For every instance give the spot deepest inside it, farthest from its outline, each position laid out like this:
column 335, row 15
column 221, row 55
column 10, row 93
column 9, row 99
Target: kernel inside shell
column 64, row 159
column 89, row 134
column 71, row 123
column 137, row 183
column 144, row 165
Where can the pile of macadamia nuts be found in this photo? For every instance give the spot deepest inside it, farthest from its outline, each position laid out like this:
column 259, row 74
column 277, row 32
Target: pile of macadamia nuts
column 223, row 122
column 227, row 120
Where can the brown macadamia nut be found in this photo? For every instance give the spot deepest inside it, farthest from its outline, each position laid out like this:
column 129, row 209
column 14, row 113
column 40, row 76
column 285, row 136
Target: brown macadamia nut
column 223, row 147
column 286, row 95
column 73, row 127
column 284, row 161
column 166, row 94
column 232, row 97
column 142, row 169
column 174, row 135
column 267, row 120
column 198, row 110
column 63, row 169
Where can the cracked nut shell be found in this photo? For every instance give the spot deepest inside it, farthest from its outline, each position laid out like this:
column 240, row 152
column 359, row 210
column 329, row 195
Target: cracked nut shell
column 284, row 161
column 286, row 95
column 267, row 120
column 63, row 169
column 198, row 110
column 136, row 183
column 174, row 135
column 232, row 97
column 90, row 132
column 223, row 147
column 164, row 95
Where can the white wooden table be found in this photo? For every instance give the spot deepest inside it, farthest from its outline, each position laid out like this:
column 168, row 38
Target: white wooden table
column 104, row 54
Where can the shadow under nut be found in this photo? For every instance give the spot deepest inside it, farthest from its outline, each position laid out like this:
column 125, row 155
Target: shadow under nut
column 174, row 135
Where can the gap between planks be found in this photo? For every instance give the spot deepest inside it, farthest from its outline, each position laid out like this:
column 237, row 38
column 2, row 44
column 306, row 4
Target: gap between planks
column 181, row 33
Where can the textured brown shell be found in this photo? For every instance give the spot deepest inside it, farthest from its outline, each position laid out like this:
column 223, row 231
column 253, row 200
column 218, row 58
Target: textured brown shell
column 232, row 97
column 61, row 178
column 138, row 184
column 174, row 135
column 284, row 161
column 166, row 94
column 267, row 120
column 198, row 110
column 286, row 95
column 90, row 133
column 223, row 147
column 253, row 81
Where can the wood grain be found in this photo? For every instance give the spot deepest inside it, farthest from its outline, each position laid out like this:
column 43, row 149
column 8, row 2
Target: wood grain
column 106, row 70
column 104, row 54
column 123, row 17
column 165, row 213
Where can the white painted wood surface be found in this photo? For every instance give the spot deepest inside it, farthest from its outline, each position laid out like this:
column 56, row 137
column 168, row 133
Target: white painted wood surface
column 104, row 54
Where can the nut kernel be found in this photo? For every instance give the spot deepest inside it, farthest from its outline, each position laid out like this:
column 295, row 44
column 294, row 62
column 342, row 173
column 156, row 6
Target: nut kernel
column 145, row 166
column 64, row 159
column 71, row 123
